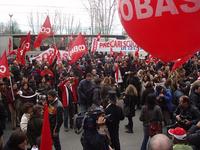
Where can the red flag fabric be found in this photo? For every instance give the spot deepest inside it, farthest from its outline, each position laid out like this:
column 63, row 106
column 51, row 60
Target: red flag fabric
column 117, row 73
column 45, row 32
column 4, row 69
column 78, row 49
column 179, row 62
column 21, row 52
column 12, row 52
column 46, row 139
column 98, row 37
column 111, row 51
column 137, row 52
column 95, row 43
column 52, row 56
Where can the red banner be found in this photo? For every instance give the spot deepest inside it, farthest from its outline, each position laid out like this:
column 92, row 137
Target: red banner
column 78, row 49
column 4, row 69
column 45, row 32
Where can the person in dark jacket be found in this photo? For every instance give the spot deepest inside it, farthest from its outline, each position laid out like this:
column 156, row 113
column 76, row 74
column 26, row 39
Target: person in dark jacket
column 85, row 93
column 186, row 114
column 2, row 123
column 35, row 125
column 134, row 80
column 96, row 97
column 17, row 141
column 91, row 138
column 148, row 89
column 195, row 96
column 114, row 120
column 55, row 117
column 130, row 100
column 150, row 112
column 193, row 136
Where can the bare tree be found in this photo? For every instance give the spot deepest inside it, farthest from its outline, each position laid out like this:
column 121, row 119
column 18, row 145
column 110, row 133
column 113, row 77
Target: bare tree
column 6, row 29
column 102, row 14
column 35, row 22
column 61, row 23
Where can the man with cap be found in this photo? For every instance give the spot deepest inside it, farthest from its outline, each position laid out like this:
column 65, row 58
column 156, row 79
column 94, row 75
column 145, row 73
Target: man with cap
column 179, row 139
column 116, row 114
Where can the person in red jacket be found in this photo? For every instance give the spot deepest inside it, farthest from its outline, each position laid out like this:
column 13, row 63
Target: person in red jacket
column 67, row 101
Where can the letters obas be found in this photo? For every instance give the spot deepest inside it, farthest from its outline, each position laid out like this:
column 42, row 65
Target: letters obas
column 144, row 9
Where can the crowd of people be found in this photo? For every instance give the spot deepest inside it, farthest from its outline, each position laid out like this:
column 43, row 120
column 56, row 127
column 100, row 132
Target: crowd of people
column 171, row 98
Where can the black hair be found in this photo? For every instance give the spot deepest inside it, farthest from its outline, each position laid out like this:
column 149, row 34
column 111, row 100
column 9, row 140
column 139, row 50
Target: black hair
column 16, row 138
column 52, row 93
column 151, row 100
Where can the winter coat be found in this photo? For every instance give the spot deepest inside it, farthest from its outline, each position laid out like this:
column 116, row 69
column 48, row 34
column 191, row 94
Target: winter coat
column 129, row 104
column 147, row 115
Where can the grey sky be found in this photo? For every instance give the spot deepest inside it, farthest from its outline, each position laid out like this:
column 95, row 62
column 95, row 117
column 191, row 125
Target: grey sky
column 21, row 10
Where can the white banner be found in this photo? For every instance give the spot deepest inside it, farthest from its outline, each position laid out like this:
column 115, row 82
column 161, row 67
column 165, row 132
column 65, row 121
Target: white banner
column 127, row 46
column 117, row 45
column 44, row 55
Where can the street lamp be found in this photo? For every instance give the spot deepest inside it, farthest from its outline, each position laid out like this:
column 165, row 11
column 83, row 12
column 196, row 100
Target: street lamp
column 10, row 15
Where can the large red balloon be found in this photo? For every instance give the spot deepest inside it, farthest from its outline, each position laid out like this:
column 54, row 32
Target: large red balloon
column 167, row 29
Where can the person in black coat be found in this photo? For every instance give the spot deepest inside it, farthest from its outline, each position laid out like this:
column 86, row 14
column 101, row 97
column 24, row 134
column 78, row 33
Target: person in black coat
column 85, row 90
column 116, row 114
column 193, row 136
column 134, row 80
column 130, row 100
column 34, row 128
column 195, row 96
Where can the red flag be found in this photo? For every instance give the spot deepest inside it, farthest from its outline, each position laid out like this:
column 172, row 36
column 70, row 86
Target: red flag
column 4, row 69
column 25, row 46
column 45, row 32
column 78, row 49
column 117, row 73
column 95, row 43
column 52, row 56
column 13, row 52
column 179, row 62
column 98, row 37
column 122, row 53
column 137, row 52
column 111, row 51
column 46, row 139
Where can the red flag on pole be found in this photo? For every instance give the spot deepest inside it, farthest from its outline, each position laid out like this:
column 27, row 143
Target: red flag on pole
column 45, row 32
column 95, row 43
column 46, row 139
column 98, row 37
column 137, row 52
column 111, row 51
column 25, row 46
column 78, row 49
column 4, row 69
column 179, row 62
column 52, row 56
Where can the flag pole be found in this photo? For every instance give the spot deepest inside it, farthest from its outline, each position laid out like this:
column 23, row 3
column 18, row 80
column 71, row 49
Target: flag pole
column 12, row 89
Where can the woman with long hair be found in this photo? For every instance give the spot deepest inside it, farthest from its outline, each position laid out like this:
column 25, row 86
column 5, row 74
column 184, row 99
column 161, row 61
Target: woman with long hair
column 150, row 112
column 130, row 100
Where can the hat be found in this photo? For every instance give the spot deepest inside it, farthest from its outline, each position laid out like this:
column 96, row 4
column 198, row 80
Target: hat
column 179, row 133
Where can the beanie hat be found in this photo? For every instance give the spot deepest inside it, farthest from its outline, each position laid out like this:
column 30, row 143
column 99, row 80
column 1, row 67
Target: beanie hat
column 179, row 133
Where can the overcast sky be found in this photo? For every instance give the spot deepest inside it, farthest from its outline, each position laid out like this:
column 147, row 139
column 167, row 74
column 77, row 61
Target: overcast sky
column 21, row 10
